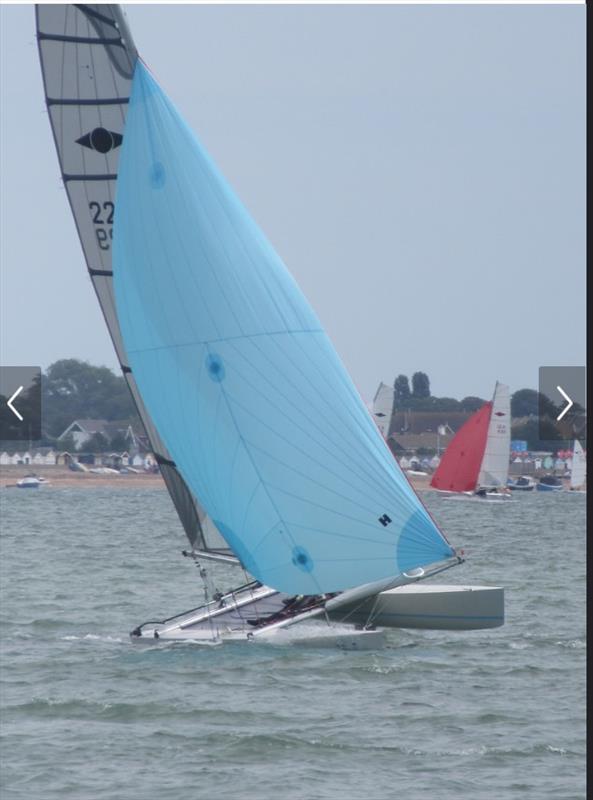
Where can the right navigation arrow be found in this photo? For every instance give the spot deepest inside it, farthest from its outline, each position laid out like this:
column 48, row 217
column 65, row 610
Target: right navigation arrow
column 568, row 400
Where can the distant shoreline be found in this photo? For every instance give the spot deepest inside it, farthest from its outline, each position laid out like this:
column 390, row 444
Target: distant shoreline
column 61, row 477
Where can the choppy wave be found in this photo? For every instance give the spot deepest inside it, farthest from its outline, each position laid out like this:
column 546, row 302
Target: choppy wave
column 87, row 714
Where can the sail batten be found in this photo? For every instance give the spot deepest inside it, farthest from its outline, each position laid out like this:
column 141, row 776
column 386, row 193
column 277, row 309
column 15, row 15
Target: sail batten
column 243, row 384
column 87, row 59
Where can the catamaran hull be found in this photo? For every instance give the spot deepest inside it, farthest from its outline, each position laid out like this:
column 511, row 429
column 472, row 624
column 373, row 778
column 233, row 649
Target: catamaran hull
column 431, row 607
column 320, row 636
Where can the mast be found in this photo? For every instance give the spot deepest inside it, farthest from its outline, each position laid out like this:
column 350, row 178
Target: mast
column 88, row 58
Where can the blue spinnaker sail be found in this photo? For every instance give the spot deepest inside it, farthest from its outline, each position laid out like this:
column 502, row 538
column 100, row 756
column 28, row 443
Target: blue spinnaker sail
column 242, row 382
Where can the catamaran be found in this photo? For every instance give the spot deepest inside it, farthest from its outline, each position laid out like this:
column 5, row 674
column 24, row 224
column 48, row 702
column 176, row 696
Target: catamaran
column 271, row 458
column 476, row 462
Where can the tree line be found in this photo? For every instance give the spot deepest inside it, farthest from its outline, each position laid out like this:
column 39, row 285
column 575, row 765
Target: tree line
column 73, row 389
column 533, row 414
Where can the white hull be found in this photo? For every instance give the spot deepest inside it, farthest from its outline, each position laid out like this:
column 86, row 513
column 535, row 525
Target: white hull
column 434, row 607
column 489, row 497
column 323, row 636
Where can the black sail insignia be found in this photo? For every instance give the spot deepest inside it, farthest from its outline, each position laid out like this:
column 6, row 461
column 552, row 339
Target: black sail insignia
column 101, row 140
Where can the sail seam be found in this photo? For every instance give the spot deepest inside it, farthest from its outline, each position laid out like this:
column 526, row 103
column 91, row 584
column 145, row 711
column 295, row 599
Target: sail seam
column 226, row 339
column 90, row 12
column 329, row 427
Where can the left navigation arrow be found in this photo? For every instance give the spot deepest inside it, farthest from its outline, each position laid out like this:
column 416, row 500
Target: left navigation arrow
column 20, row 406
column 12, row 399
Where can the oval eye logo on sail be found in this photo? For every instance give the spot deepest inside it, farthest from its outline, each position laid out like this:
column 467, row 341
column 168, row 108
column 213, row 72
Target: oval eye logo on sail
column 101, row 140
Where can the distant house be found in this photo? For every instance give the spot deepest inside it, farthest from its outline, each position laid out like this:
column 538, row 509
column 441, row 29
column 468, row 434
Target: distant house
column 404, row 422
column 82, row 430
column 410, row 442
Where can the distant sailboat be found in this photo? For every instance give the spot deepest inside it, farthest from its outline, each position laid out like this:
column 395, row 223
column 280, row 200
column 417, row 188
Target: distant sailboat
column 476, row 462
column 270, row 456
column 578, row 472
column 383, row 408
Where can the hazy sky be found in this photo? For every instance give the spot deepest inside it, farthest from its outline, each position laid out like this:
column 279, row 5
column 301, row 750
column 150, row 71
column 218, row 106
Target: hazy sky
column 420, row 169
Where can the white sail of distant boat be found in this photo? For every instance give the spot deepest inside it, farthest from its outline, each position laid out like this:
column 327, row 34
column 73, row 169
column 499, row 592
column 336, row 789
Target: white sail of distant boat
column 494, row 470
column 383, row 408
column 578, row 472
column 269, row 454
column 477, row 458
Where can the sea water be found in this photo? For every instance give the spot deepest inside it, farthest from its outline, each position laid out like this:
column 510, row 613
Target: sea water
column 494, row 714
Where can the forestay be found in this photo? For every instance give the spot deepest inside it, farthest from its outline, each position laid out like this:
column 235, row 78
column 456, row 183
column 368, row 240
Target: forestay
column 241, row 380
column 88, row 59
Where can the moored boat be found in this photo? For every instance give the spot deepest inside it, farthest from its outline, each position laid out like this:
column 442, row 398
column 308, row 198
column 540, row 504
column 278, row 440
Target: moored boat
column 550, row 483
column 524, row 483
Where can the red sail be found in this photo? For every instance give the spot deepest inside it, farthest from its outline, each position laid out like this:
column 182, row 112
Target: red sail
column 461, row 461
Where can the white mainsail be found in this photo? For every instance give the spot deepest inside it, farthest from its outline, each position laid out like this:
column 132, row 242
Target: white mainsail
column 383, row 408
column 87, row 110
column 494, row 470
column 578, row 472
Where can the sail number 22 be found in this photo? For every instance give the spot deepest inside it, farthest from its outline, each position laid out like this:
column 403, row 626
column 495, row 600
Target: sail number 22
column 102, row 214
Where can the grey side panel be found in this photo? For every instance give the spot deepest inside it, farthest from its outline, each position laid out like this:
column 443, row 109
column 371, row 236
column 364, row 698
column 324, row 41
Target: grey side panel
column 87, row 59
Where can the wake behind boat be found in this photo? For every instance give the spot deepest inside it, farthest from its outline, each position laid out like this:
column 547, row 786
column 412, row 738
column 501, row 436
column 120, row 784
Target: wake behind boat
column 271, row 458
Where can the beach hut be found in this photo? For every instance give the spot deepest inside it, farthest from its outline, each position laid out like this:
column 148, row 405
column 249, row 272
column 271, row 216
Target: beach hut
column 4, row 458
column 49, row 459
